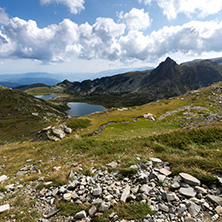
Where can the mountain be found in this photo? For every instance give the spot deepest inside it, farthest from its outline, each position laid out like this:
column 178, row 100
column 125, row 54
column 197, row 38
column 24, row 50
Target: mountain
column 14, row 80
column 217, row 60
column 136, row 88
column 26, row 87
column 22, row 115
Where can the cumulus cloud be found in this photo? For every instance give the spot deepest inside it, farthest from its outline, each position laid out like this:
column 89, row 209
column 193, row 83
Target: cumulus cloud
column 136, row 19
column 105, row 39
column 75, row 6
column 23, row 39
column 200, row 8
column 3, row 16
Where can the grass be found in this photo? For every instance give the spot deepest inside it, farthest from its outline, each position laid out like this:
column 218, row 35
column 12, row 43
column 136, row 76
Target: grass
column 127, row 211
column 196, row 150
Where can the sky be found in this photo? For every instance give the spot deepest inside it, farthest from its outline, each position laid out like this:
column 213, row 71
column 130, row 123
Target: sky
column 81, row 36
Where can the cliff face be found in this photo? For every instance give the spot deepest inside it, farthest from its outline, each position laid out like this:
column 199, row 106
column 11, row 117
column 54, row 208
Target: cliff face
column 136, row 88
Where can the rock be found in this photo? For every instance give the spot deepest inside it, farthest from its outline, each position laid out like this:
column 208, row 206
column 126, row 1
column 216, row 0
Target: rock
column 134, row 189
column 52, row 213
column 164, row 208
column 125, row 194
column 68, row 130
column 112, row 164
column 189, row 219
column 80, row 215
column 58, row 132
column 215, row 199
column 103, row 207
column 188, row 192
column 155, row 160
column 215, row 217
column 97, row 201
column 190, row 179
column 97, row 191
column 149, row 116
column 145, row 189
column 67, row 196
column 194, row 209
column 220, row 180
column 3, row 178
column 92, row 211
column 175, row 185
column 165, row 172
column 218, row 209
column 171, row 197
column 200, row 190
column 4, row 208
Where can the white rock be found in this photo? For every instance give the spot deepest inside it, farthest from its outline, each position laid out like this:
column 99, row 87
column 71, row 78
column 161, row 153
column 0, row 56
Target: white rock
column 3, row 178
column 125, row 194
column 4, row 208
column 188, row 192
column 80, row 215
column 155, row 160
column 190, row 179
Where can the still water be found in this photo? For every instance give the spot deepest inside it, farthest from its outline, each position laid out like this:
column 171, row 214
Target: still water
column 82, row 109
column 47, row 97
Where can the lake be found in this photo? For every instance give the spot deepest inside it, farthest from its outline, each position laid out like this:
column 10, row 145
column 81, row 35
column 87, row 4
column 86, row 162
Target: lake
column 82, row 109
column 47, row 97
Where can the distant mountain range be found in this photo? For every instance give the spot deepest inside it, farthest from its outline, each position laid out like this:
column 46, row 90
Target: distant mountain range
column 135, row 88
column 15, row 80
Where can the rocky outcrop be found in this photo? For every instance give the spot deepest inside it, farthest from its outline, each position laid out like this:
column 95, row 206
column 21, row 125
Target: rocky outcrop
column 172, row 198
column 53, row 133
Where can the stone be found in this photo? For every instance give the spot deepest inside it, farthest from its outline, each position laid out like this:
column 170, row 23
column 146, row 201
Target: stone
column 189, row 219
column 189, row 179
column 175, row 185
column 103, row 207
column 125, row 194
column 200, row 190
column 80, row 215
column 188, row 192
column 92, row 211
column 51, row 213
column 134, row 189
column 68, row 130
column 218, row 209
column 67, row 196
column 164, row 208
column 97, row 191
column 149, row 116
column 171, row 197
column 155, row 160
column 58, row 132
column 97, row 201
column 145, row 189
column 165, row 172
column 215, row 217
column 215, row 199
column 3, row 178
column 112, row 164
column 4, row 208
column 194, row 209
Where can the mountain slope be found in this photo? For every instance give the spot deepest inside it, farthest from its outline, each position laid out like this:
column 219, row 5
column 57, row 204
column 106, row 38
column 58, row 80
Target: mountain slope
column 136, row 88
column 22, row 115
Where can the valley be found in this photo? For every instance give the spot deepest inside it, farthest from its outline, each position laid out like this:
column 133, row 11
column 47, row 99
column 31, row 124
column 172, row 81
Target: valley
column 128, row 163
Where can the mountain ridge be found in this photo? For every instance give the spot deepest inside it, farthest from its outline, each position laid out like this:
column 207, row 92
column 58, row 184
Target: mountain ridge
column 137, row 88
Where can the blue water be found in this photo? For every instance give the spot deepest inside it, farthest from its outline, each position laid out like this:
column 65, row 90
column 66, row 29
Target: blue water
column 47, row 97
column 82, row 109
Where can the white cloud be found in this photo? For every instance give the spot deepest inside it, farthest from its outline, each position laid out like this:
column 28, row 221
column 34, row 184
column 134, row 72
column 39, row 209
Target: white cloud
column 3, row 16
column 201, row 8
column 23, row 39
column 105, row 39
column 136, row 19
column 75, row 6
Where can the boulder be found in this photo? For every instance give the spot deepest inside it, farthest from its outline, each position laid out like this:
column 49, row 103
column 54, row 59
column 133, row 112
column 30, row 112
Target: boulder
column 125, row 194
column 80, row 215
column 189, row 179
column 188, row 192
column 4, row 208
column 149, row 116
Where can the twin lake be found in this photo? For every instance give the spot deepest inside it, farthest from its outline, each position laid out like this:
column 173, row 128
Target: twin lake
column 76, row 109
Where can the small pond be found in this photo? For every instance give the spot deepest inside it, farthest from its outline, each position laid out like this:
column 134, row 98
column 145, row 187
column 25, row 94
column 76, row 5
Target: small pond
column 47, row 97
column 82, row 109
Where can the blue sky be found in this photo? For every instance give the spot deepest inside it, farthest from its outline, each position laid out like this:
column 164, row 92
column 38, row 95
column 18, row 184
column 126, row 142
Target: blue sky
column 74, row 36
